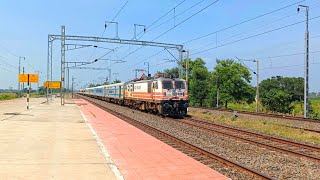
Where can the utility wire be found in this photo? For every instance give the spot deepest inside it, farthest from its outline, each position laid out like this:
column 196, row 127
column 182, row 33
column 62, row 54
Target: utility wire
column 286, row 55
column 173, row 28
column 108, row 26
column 249, row 37
column 244, row 32
column 2, row 59
column 287, row 66
column 196, row 4
column 243, row 22
column 245, row 65
column 149, row 26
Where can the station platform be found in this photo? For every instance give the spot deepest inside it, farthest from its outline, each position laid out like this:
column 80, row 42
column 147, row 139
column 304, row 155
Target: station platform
column 81, row 141
column 48, row 141
column 139, row 155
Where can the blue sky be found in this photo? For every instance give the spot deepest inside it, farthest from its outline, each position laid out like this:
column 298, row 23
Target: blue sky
column 25, row 26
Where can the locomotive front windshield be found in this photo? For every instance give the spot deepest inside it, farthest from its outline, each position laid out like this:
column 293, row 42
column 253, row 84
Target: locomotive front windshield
column 179, row 85
column 167, row 85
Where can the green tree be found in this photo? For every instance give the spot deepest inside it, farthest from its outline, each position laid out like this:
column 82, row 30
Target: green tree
column 116, row 81
column 233, row 79
column 199, row 82
column 173, row 71
column 278, row 93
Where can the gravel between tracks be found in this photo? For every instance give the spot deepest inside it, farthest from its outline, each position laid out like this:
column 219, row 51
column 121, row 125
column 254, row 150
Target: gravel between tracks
column 275, row 164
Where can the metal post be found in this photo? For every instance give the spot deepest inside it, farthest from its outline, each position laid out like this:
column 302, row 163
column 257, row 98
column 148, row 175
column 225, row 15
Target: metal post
column 306, row 85
column 37, row 72
column 135, row 30
column 68, row 81
column 19, row 91
column 148, row 67
column 306, row 64
column 180, row 63
column 23, row 82
column 187, row 66
column 257, row 90
column 62, row 64
column 109, row 75
column 218, row 91
column 116, row 24
column 28, row 92
column 72, row 86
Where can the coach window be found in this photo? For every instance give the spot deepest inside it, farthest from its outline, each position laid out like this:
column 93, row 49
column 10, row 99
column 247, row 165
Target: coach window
column 167, row 85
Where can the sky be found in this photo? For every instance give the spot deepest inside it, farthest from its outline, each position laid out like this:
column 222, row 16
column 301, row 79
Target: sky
column 247, row 29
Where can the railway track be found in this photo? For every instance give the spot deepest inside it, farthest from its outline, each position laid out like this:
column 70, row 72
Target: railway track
column 263, row 114
column 262, row 140
column 208, row 158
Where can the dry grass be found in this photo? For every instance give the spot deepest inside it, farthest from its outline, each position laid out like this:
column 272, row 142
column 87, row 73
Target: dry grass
column 7, row 96
column 260, row 125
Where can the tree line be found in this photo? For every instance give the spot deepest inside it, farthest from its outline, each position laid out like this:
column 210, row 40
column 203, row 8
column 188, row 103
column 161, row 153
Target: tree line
column 232, row 81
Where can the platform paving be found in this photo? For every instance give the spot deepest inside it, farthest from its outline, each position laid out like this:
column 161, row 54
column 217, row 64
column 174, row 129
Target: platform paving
column 48, row 141
column 139, row 155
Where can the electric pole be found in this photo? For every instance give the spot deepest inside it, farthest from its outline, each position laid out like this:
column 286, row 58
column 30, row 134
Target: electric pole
column 19, row 88
column 23, row 82
column 257, row 89
column 218, row 91
column 148, row 67
column 37, row 72
column 187, row 67
column 72, row 85
column 306, row 64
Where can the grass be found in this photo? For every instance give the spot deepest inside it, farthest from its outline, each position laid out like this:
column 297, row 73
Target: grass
column 297, row 110
column 262, row 125
column 8, row 96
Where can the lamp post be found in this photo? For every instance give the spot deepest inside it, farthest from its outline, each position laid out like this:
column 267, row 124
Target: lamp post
column 306, row 63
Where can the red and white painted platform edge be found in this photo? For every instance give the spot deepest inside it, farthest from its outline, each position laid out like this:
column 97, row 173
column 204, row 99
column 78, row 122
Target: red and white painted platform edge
column 138, row 155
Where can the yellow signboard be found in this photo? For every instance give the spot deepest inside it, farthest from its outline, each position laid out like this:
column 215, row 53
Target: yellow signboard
column 52, row 84
column 33, row 78
column 23, row 77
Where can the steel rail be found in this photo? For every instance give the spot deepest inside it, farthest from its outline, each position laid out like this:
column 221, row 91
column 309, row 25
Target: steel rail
column 219, row 129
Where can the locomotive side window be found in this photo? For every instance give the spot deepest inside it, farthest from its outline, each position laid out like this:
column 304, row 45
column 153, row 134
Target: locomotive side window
column 155, row 85
column 167, row 84
column 179, row 85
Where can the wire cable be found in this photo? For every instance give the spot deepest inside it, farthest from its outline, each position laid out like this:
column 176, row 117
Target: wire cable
column 249, row 37
column 172, row 28
column 243, row 22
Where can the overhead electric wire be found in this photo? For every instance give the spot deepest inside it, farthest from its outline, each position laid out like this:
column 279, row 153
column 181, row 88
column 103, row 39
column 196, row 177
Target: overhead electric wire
column 8, row 64
column 196, row 4
column 249, row 37
column 150, row 25
column 108, row 26
column 173, row 28
column 244, row 32
column 295, row 65
column 117, row 48
column 243, row 22
column 286, row 55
